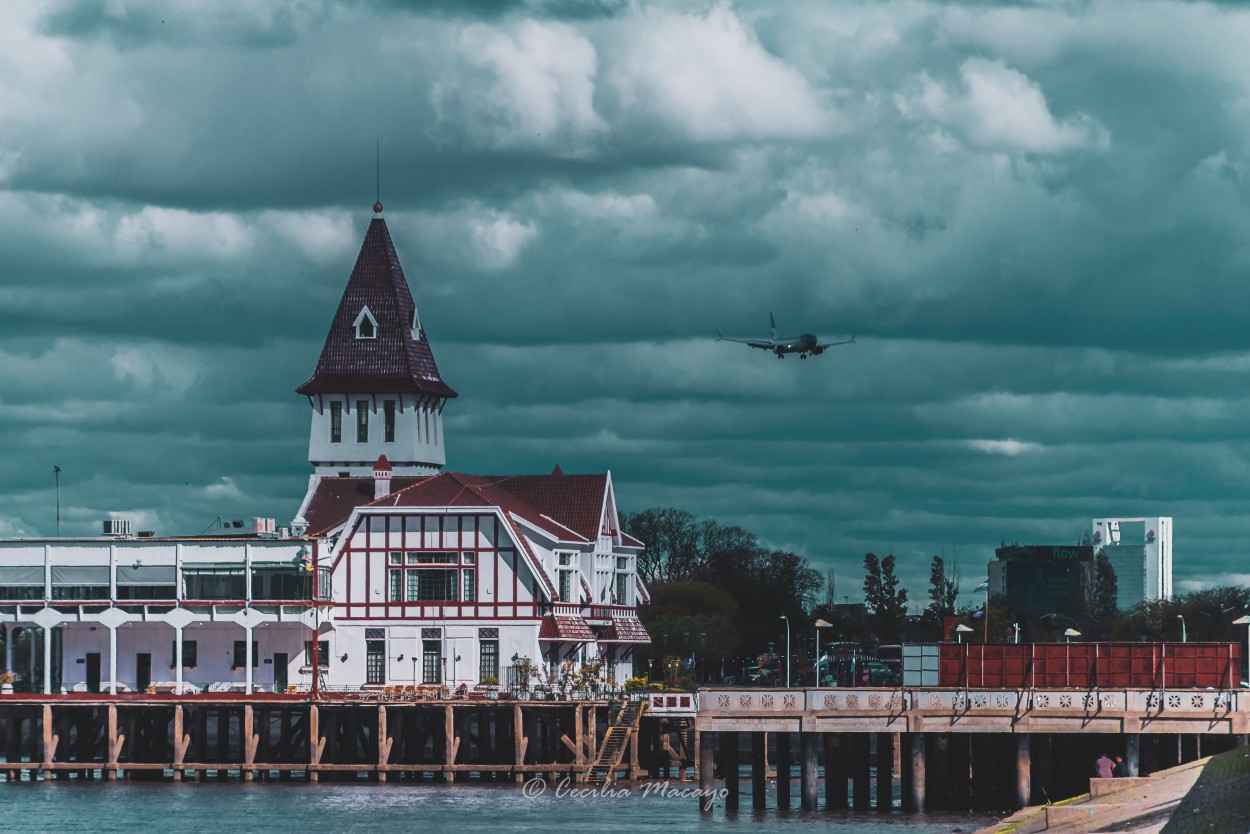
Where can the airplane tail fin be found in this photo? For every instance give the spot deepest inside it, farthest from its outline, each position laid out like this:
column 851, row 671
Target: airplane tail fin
column 773, row 323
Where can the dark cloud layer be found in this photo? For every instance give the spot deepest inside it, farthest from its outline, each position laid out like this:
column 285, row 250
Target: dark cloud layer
column 1034, row 216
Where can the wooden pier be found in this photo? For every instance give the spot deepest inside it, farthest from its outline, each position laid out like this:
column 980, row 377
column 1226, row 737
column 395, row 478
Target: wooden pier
column 267, row 737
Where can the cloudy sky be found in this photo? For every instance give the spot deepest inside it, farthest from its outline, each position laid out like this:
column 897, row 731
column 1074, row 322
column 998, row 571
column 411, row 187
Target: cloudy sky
column 1033, row 215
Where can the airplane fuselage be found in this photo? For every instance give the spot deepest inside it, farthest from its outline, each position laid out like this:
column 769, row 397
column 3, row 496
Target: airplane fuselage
column 802, row 344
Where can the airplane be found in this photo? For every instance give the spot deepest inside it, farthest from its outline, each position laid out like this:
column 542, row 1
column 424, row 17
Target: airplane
column 802, row 345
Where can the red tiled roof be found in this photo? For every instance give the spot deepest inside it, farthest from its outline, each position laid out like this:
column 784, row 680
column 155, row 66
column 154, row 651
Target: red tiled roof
column 627, row 630
column 335, row 498
column 564, row 627
column 393, row 361
column 576, row 501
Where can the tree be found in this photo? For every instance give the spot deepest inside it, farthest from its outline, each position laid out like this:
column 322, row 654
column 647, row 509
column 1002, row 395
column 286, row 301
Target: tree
column 943, row 594
column 1106, row 592
column 886, row 602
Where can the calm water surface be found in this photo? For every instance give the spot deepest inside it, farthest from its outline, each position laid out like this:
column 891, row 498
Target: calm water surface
column 208, row 808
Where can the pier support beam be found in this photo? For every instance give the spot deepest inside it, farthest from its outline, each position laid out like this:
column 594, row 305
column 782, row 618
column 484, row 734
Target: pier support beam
column 885, row 771
column 913, row 771
column 861, row 787
column 250, row 740
column 316, row 744
column 49, row 741
column 1132, row 754
column 706, row 790
column 809, row 784
column 783, row 771
column 835, row 771
column 1024, row 769
column 729, row 769
column 759, row 774
column 114, row 744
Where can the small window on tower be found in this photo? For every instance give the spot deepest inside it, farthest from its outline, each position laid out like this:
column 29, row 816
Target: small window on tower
column 336, row 422
column 366, row 325
column 388, row 408
column 362, row 421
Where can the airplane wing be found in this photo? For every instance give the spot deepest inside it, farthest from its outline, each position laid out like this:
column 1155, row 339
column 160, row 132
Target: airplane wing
column 762, row 344
column 849, row 341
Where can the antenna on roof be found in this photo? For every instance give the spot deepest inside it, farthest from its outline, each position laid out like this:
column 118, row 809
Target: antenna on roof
column 56, row 473
column 377, row 170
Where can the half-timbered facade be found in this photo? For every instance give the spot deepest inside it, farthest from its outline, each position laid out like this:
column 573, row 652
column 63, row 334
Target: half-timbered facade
column 460, row 578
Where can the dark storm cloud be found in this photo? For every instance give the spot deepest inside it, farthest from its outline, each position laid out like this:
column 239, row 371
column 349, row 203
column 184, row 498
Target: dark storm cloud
column 1033, row 215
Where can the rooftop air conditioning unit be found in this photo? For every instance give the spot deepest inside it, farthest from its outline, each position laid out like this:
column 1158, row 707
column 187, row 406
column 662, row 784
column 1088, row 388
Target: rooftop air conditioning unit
column 116, row 527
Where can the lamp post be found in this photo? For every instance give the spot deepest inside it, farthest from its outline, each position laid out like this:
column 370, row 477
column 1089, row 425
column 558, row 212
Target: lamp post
column 1015, row 627
column 788, row 678
column 985, row 612
column 960, row 631
column 819, row 625
column 1184, row 633
column 1069, row 634
column 1245, row 621
column 702, row 654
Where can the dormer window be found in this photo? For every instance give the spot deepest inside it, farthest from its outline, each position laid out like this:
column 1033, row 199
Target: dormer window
column 366, row 325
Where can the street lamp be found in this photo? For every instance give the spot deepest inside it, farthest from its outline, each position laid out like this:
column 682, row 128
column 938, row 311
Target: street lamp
column 1070, row 633
column 788, row 678
column 960, row 631
column 1184, row 634
column 819, row 625
column 1015, row 627
column 985, row 612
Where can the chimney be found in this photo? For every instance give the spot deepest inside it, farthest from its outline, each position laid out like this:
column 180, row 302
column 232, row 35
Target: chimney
column 381, row 477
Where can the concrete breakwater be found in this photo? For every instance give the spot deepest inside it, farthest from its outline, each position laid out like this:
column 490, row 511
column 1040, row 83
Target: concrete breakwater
column 1207, row 796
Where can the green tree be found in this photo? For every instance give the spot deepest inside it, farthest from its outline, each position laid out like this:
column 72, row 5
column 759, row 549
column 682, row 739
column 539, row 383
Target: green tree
column 943, row 593
column 886, row 602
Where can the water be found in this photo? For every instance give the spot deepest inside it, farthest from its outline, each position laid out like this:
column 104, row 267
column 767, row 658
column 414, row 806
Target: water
column 226, row 808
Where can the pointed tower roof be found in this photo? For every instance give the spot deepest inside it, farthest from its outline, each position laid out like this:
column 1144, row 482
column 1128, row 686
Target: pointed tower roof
column 397, row 358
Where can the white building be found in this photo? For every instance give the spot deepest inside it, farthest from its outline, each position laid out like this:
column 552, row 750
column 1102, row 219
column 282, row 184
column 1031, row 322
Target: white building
column 405, row 574
column 1140, row 552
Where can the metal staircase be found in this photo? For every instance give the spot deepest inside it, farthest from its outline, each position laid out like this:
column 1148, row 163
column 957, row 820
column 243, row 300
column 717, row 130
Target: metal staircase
column 615, row 740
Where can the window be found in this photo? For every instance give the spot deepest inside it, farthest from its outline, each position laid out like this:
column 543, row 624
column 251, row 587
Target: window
column 79, row 592
column 281, row 584
column 431, row 661
column 396, row 592
column 366, row 325
column 435, row 585
column 146, row 591
column 336, row 422
column 622, row 563
column 190, row 653
column 470, row 558
column 488, row 660
column 433, row 559
column 362, row 421
column 470, row 586
column 375, row 661
column 412, row 584
column 622, row 589
column 566, row 585
column 228, row 583
column 323, row 653
column 388, row 409
column 240, row 654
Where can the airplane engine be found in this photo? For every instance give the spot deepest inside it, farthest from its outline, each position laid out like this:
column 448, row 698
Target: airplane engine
column 818, row 350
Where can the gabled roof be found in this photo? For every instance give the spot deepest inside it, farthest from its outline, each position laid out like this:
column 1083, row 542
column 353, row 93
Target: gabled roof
column 391, row 362
column 565, row 507
column 576, row 501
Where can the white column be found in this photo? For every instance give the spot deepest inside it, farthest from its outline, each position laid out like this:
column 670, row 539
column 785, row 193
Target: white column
column 247, row 648
column 47, row 660
column 8, row 647
column 112, row 660
column 178, row 661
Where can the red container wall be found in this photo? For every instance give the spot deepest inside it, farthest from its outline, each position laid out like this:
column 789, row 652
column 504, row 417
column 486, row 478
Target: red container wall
column 1088, row 665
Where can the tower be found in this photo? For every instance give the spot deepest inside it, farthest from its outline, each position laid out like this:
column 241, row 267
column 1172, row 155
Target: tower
column 376, row 390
